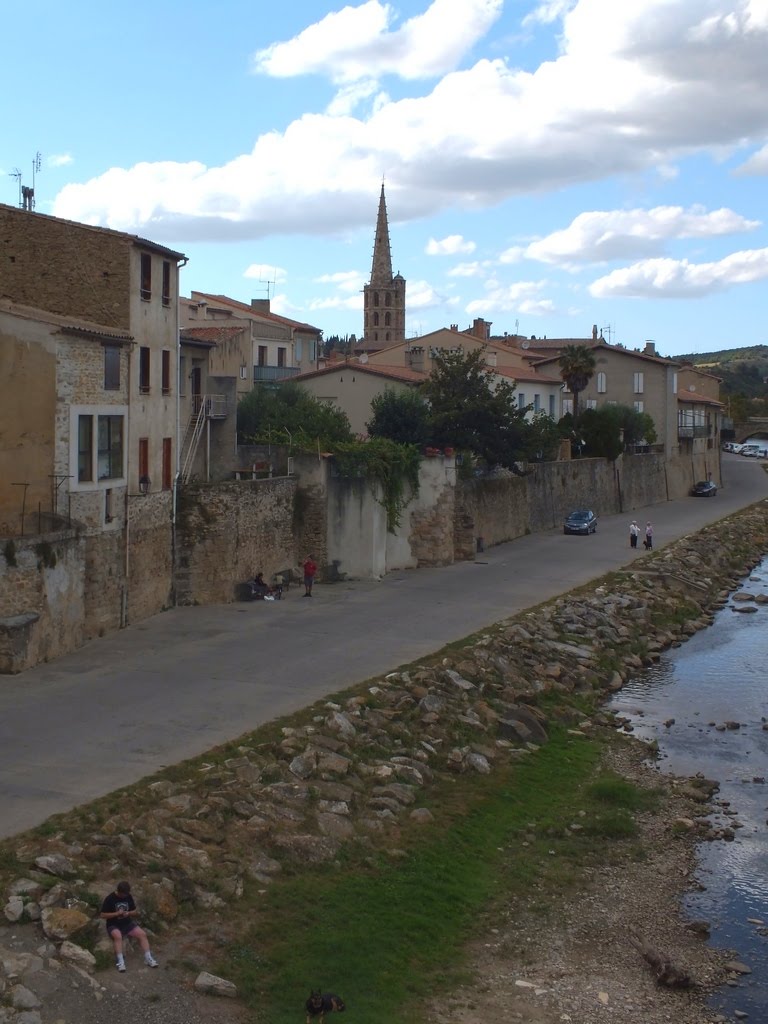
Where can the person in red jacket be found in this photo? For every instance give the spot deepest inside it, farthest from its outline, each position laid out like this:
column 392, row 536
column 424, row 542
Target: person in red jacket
column 310, row 571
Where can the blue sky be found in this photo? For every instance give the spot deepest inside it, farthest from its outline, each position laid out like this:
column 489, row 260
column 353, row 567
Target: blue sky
column 549, row 165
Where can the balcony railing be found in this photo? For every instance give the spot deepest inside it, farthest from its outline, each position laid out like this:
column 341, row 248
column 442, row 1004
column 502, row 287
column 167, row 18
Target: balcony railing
column 215, row 406
column 262, row 373
column 684, row 430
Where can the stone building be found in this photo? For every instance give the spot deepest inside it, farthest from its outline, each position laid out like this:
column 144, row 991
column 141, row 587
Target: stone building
column 384, row 295
column 88, row 426
column 276, row 346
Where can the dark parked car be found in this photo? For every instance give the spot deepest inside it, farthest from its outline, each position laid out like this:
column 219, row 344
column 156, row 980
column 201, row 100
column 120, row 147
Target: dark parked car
column 704, row 489
column 583, row 520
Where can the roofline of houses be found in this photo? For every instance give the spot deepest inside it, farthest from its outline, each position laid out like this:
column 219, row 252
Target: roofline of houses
column 143, row 243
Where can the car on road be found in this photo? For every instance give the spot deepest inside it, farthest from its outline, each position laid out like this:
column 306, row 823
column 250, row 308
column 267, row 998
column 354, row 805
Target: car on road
column 704, row 489
column 583, row 520
column 755, row 450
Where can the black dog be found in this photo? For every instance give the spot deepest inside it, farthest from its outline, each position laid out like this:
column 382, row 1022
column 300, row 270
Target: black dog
column 320, row 1003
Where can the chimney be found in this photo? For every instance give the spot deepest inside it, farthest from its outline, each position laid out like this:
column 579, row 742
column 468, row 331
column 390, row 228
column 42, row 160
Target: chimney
column 650, row 348
column 481, row 329
column 260, row 305
column 594, row 332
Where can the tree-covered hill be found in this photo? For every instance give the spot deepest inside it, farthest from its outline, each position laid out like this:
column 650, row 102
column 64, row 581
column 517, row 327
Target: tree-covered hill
column 744, row 371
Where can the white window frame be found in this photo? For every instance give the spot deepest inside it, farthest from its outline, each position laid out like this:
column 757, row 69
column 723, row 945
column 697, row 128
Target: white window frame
column 94, row 411
column 591, row 403
column 601, row 383
column 638, row 382
column 639, row 407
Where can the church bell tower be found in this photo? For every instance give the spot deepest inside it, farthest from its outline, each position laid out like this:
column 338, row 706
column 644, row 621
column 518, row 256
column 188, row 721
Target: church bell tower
column 384, row 296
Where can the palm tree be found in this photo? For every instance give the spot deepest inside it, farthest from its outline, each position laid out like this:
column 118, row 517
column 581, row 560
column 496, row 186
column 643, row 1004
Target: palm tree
column 577, row 367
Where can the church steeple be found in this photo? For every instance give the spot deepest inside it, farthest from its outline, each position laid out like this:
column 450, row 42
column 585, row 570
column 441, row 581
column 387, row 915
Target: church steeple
column 381, row 270
column 384, row 296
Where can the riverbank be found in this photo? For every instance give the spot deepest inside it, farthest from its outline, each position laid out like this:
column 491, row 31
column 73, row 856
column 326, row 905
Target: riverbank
column 210, row 841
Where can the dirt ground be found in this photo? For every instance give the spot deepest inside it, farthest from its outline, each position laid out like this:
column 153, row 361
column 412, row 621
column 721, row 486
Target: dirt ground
column 578, row 964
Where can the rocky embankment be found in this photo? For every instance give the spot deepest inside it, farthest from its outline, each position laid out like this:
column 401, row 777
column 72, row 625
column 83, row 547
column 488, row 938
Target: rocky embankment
column 194, row 837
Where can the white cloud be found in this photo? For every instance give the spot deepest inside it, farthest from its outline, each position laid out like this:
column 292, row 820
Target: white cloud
column 548, row 11
column 360, row 43
column 60, row 160
column 265, row 272
column 421, row 295
column 626, row 234
column 520, row 297
column 452, row 245
column 757, row 164
column 281, row 305
column 474, row 269
column 354, row 302
column 350, row 96
column 513, row 254
column 674, row 90
column 680, row 279
column 345, row 280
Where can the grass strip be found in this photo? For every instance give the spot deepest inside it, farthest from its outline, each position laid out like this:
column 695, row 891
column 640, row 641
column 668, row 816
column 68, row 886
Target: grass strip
column 388, row 929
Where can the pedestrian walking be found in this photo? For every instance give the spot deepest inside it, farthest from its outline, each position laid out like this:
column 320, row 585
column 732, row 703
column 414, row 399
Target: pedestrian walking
column 634, row 533
column 648, row 536
column 310, row 571
column 118, row 911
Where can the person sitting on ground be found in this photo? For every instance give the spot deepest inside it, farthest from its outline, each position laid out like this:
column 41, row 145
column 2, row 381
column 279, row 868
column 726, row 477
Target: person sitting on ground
column 119, row 911
column 259, row 588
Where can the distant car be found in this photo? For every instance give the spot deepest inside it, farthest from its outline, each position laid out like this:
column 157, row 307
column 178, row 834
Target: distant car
column 704, row 489
column 754, row 450
column 730, row 446
column 583, row 520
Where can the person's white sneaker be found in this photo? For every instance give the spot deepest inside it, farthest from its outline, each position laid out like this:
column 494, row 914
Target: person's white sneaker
column 150, row 961
column 120, row 965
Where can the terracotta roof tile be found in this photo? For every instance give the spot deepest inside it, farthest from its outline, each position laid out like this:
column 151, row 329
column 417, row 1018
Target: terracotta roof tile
column 401, row 373
column 244, row 307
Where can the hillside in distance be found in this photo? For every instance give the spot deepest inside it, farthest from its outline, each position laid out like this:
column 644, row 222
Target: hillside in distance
column 744, row 371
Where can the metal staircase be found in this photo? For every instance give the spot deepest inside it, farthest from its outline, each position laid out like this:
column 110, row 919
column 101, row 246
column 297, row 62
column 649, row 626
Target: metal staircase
column 204, row 408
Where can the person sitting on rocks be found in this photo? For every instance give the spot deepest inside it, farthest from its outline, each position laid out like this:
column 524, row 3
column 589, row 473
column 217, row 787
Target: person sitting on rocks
column 119, row 911
column 259, row 588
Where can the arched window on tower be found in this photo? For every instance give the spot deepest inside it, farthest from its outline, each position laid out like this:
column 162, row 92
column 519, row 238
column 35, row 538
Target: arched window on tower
column 388, row 299
column 375, row 298
column 388, row 336
column 375, row 319
column 387, row 319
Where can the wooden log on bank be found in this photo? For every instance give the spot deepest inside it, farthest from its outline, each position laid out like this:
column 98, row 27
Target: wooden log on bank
column 667, row 973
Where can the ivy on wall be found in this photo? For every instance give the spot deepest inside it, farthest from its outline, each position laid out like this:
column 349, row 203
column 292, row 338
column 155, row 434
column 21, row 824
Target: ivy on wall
column 388, row 466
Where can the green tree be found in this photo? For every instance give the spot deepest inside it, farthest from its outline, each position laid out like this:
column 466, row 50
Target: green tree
column 400, row 416
column 544, row 436
column 473, row 411
column 288, row 412
column 609, row 430
column 577, row 367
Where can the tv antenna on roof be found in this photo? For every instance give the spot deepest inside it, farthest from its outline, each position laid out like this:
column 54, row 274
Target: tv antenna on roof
column 269, row 283
column 27, row 192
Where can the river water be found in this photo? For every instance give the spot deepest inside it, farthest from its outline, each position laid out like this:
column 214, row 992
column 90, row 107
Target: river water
column 721, row 675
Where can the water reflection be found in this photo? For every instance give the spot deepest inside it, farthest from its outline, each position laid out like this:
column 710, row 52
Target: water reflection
column 684, row 702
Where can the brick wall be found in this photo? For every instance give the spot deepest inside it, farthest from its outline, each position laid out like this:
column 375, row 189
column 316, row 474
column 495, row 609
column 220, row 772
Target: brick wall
column 228, row 531
column 65, row 267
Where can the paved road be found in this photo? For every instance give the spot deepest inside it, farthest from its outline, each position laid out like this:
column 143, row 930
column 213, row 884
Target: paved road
column 188, row 679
